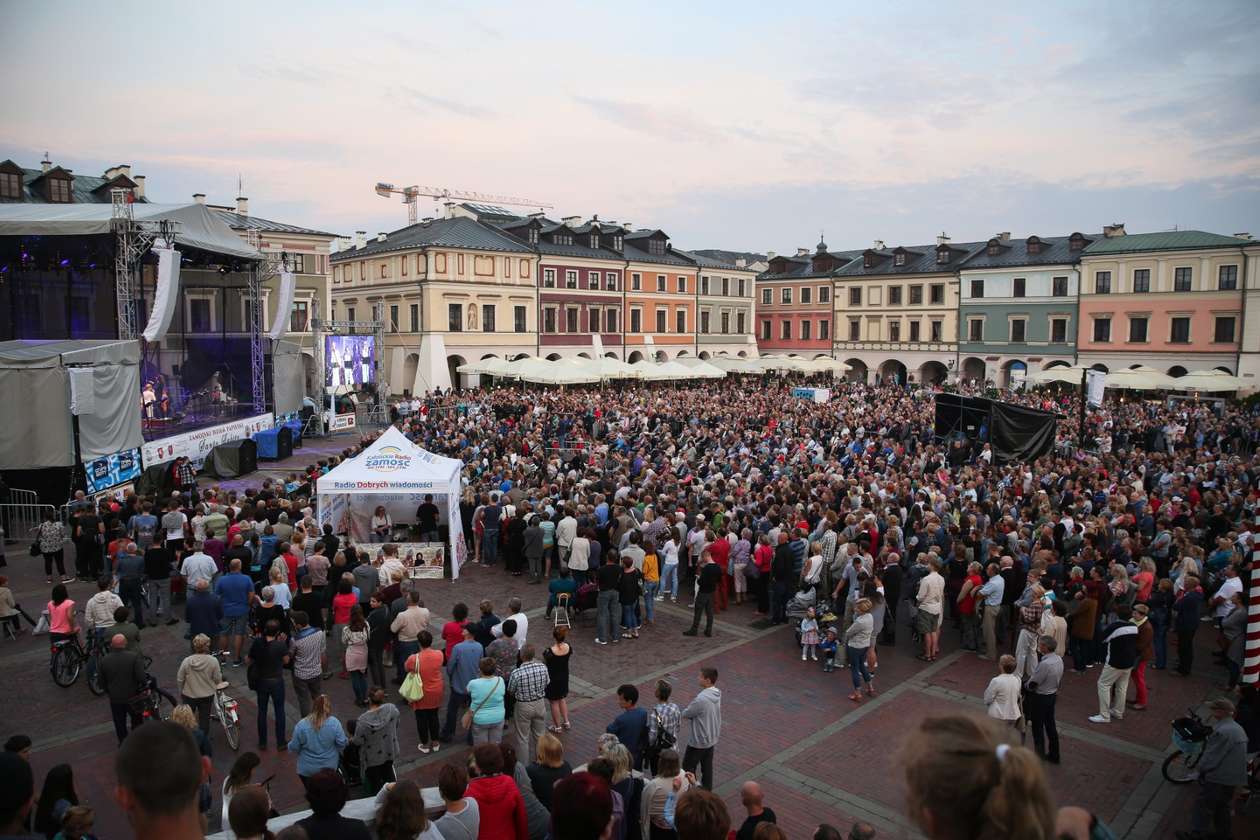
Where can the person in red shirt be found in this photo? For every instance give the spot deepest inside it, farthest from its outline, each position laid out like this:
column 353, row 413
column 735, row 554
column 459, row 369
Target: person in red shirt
column 453, row 631
column 499, row 800
column 720, row 551
column 291, row 561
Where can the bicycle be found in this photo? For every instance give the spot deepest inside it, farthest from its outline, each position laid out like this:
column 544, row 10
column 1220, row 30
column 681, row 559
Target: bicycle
column 148, row 704
column 95, row 653
column 226, row 710
column 68, row 658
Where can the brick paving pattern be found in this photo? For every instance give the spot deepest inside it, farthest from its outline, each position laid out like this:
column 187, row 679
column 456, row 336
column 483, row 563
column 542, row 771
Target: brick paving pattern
column 819, row 757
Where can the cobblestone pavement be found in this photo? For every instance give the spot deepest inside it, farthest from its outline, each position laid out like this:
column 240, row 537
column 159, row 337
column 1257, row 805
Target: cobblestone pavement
column 820, row 757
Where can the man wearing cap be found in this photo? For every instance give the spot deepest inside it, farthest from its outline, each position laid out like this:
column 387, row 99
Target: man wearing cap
column 1222, row 769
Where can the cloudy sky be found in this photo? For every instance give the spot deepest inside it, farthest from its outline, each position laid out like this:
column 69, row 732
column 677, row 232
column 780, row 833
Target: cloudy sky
column 739, row 125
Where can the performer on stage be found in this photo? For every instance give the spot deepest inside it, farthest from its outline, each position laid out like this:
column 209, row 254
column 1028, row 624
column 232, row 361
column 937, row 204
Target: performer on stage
column 148, row 400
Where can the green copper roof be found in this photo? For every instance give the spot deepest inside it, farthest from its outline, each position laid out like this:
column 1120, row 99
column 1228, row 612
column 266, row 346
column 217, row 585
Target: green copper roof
column 1170, row 240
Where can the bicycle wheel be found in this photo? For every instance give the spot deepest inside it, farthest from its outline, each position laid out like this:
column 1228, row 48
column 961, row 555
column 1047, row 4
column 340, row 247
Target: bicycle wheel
column 65, row 666
column 231, row 721
column 94, row 677
column 1181, row 769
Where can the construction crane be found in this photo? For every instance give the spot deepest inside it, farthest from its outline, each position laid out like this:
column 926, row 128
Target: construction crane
column 449, row 197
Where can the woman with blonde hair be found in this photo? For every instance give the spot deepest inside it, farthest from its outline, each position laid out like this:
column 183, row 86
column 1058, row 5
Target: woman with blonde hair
column 549, row 768
column 964, row 783
column 280, row 591
column 198, row 679
column 187, row 718
column 630, row 787
column 655, row 794
column 857, row 641
column 318, row 739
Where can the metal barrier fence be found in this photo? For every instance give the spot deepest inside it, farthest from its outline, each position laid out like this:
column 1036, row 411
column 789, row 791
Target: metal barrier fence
column 21, row 518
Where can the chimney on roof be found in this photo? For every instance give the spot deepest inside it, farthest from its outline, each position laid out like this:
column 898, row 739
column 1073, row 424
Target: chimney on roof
column 572, row 221
column 629, row 227
column 879, row 245
column 540, row 214
column 139, row 190
column 111, row 173
column 125, row 168
column 741, row 262
column 769, row 255
column 242, row 205
column 343, row 243
column 1113, row 230
column 802, row 252
column 380, row 236
column 1004, row 236
column 45, row 164
column 1243, row 235
column 200, row 198
column 942, row 239
column 360, row 238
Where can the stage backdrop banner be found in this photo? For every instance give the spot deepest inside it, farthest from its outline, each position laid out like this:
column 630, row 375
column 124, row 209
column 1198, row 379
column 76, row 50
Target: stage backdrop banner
column 197, row 444
column 284, row 306
column 288, row 377
column 112, row 470
column 1020, row 434
column 166, row 294
column 112, row 425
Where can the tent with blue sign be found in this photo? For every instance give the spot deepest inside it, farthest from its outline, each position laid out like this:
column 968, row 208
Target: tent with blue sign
column 397, row 475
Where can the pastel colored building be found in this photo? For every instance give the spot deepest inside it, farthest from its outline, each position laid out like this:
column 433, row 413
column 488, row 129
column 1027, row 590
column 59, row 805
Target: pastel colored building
column 1017, row 307
column 454, row 290
column 580, row 284
column 724, row 298
column 1171, row 300
column 660, row 303
column 896, row 311
column 794, row 301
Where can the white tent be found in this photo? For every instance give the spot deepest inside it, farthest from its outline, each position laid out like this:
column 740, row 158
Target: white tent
column 396, row 473
column 1069, row 375
column 701, row 369
column 1140, row 378
column 493, row 366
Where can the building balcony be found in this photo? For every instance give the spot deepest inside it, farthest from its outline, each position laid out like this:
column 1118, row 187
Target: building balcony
column 893, row 346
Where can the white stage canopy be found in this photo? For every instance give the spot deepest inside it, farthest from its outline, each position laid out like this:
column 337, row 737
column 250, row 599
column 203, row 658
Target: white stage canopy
column 396, row 473
column 198, row 226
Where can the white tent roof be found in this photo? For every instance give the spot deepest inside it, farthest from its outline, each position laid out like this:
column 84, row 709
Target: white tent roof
column 393, row 464
column 198, row 226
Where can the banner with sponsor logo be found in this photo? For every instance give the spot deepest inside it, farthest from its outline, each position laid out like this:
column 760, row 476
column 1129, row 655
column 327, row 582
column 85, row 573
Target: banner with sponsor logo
column 818, row 395
column 342, row 422
column 112, row 470
column 196, row 445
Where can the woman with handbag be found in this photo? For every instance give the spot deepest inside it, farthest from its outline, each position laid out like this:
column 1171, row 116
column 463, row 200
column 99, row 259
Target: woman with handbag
column 422, row 689
column 484, row 717
column 50, row 542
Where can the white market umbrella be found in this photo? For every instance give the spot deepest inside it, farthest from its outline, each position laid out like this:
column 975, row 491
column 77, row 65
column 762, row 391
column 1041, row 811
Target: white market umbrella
column 493, row 366
column 1140, row 378
column 1068, row 375
column 827, row 365
column 544, row 372
column 1209, row 380
column 700, row 368
column 610, row 368
column 659, row 372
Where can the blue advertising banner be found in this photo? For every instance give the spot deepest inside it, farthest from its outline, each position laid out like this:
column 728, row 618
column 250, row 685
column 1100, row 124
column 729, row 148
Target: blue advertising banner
column 111, row 470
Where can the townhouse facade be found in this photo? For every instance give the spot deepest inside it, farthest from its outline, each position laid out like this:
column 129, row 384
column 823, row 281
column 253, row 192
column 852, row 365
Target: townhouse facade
column 794, row 306
column 1017, row 307
column 724, row 301
column 896, row 310
column 453, row 291
column 661, row 299
column 1171, row 300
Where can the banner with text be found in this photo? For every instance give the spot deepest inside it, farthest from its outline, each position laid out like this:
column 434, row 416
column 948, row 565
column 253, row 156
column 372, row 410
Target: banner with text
column 196, row 445
column 106, row 472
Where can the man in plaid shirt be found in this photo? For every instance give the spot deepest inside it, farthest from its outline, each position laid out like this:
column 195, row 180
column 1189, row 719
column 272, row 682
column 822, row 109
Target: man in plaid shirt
column 528, row 684
column 185, row 479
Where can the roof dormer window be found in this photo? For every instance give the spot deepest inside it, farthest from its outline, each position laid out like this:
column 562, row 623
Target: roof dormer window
column 533, row 236
column 656, row 247
column 899, row 258
column 10, row 185
column 942, row 255
column 594, row 240
column 993, row 250
column 868, row 260
column 616, row 242
column 59, row 190
column 564, row 239
column 1034, row 245
column 1076, row 242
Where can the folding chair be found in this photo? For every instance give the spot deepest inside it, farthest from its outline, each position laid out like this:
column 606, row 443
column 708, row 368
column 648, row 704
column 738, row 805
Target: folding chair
column 561, row 614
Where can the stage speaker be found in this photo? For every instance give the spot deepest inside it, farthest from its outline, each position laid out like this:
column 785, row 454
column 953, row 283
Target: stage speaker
column 230, row 460
column 284, row 443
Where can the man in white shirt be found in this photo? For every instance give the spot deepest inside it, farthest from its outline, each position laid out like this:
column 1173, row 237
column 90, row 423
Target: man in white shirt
column 98, row 613
column 931, row 597
column 197, row 565
column 566, row 531
column 390, row 563
column 522, row 623
column 1223, row 600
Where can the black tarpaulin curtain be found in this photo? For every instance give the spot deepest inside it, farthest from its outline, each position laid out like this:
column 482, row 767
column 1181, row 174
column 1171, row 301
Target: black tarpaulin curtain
column 1020, row 434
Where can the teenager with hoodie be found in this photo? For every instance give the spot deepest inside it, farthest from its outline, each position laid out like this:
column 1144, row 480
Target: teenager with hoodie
column 704, row 713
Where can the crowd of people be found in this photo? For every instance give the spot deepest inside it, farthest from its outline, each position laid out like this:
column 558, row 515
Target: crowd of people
column 848, row 520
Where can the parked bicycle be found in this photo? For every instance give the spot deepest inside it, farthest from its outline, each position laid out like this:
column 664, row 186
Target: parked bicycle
column 1189, row 735
column 68, row 658
column 226, row 710
column 152, row 703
